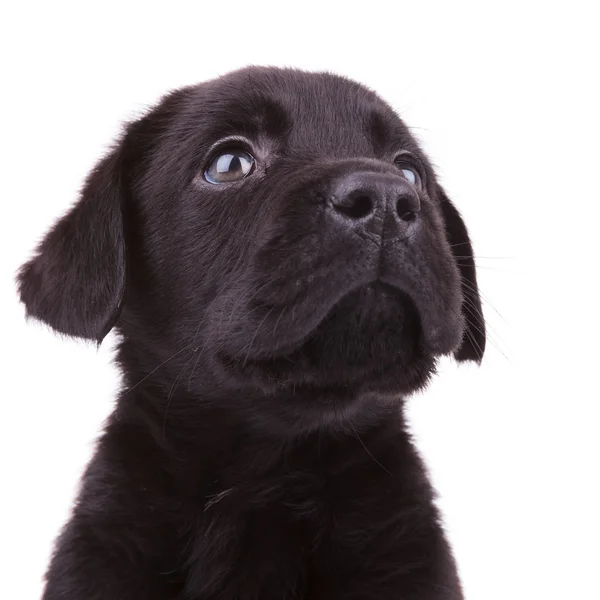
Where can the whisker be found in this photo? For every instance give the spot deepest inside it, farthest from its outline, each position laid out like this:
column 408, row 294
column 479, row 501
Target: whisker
column 460, row 264
column 470, row 309
column 483, row 297
column 484, row 257
column 172, row 393
column 460, row 244
column 157, row 368
column 279, row 319
column 241, row 298
column 366, row 449
column 472, row 339
column 199, row 355
column 255, row 334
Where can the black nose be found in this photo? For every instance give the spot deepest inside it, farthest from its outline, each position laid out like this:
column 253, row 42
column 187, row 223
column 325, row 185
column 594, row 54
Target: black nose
column 359, row 196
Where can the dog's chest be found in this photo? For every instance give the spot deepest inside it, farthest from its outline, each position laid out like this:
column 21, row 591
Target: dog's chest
column 260, row 548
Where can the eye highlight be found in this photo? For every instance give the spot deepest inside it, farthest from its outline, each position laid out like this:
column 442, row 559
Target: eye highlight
column 230, row 165
column 409, row 172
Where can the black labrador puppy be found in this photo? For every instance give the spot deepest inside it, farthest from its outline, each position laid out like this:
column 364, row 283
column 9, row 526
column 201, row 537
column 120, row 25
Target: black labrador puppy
column 283, row 270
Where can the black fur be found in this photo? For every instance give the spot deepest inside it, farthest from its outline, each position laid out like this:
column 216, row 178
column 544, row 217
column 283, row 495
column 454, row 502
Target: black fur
column 258, row 448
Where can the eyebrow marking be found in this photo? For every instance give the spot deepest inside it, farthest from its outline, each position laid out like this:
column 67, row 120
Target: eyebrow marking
column 274, row 119
column 378, row 127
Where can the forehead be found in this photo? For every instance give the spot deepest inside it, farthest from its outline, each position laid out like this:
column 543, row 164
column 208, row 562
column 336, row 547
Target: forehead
column 304, row 111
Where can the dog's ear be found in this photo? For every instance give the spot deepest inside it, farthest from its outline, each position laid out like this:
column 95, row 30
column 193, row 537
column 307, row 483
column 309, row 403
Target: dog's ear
column 472, row 345
column 76, row 280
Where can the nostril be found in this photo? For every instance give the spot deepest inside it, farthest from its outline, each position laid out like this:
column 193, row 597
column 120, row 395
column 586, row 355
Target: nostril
column 355, row 207
column 407, row 208
column 409, row 216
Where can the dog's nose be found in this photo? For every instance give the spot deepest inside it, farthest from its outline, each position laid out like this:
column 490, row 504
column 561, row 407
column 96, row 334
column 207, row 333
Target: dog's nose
column 360, row 196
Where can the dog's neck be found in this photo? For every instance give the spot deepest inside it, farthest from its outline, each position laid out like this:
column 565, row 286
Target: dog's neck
column 188, row 393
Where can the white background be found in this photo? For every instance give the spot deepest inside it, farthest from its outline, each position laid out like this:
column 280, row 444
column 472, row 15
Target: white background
column 504, row 99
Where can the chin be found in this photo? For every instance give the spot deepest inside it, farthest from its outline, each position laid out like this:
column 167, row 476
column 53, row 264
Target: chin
column 367, row 353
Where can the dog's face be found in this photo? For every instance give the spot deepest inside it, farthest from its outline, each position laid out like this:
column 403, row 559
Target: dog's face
column 281, row 228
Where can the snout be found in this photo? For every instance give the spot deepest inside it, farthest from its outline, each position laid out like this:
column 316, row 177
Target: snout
column 367, row 200
column 338, row 232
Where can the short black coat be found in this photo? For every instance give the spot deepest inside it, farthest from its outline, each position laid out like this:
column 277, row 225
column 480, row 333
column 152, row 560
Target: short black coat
column 258, row 447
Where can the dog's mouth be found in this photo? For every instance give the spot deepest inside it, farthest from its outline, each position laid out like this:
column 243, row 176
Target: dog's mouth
column 357, row 317
column 373, row 322
column 367, row 350
column 372, row 326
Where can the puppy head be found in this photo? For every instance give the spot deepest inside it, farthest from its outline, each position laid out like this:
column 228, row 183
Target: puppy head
column 284, row 226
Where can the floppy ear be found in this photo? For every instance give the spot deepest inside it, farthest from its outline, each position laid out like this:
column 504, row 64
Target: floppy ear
column 76, row 279
column 472, row 345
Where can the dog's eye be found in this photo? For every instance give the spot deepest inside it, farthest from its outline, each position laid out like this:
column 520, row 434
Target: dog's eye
column 409, row 173
column 231, row 165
